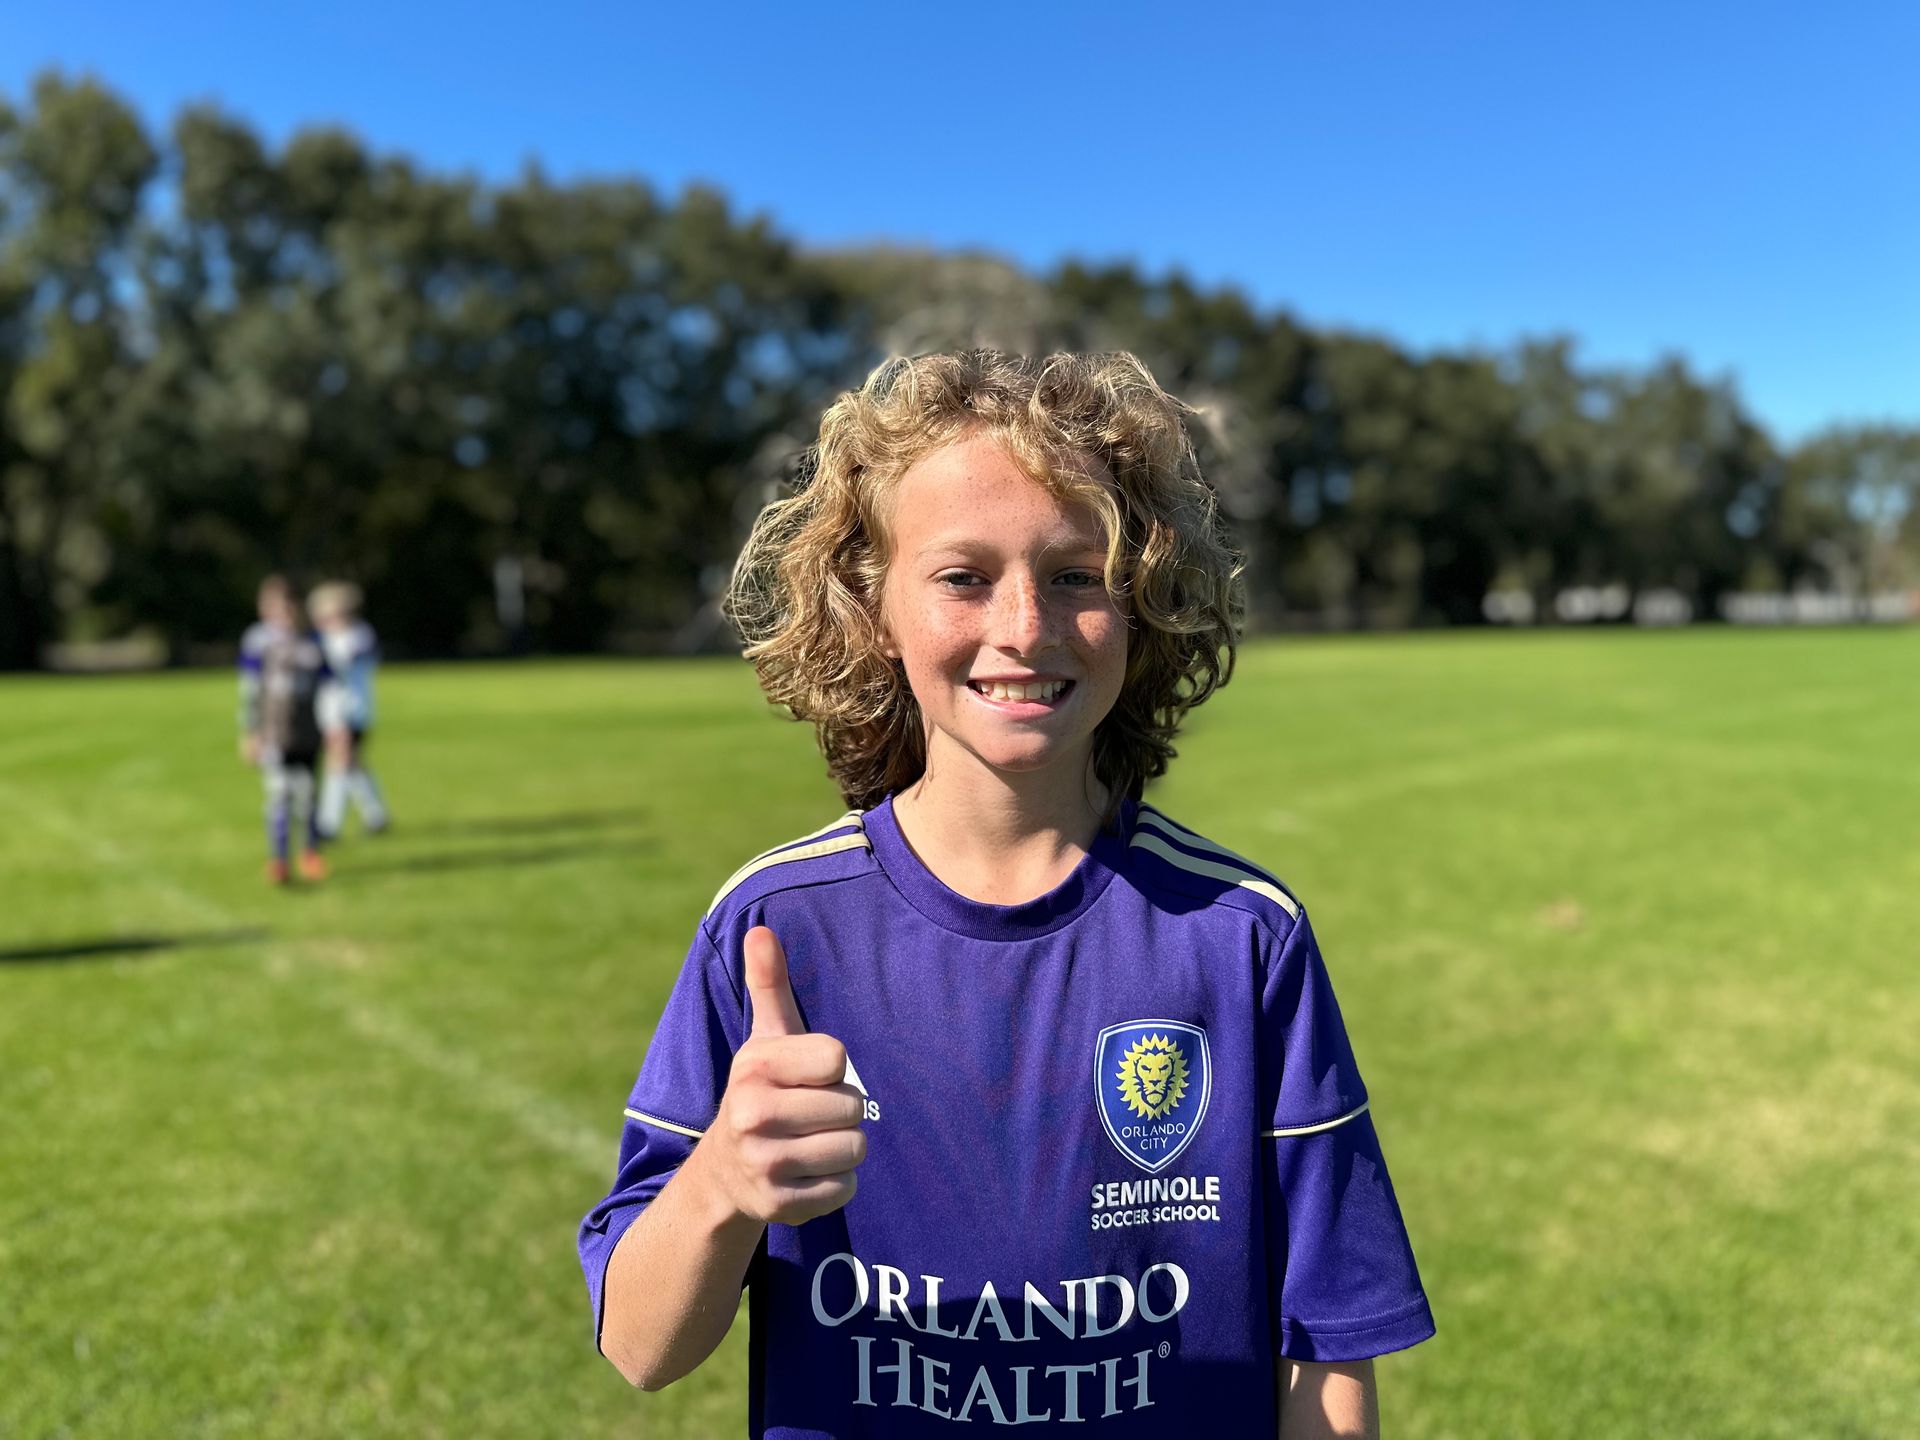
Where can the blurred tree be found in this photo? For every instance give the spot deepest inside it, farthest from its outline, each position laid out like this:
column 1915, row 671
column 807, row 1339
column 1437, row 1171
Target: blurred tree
column 544, row 414
column 1676, row 457
column 1853, row 502
column 72, row 171
column 23, row 607
column 360, row 370
column 913, row 301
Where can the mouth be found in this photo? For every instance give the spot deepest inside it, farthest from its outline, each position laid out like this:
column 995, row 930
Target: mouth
column 1037, row 698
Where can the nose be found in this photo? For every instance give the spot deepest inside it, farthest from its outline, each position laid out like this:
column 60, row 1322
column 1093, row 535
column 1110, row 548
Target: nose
column 1021, row 619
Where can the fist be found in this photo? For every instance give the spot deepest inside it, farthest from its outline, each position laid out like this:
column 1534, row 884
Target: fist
column 787, row 1139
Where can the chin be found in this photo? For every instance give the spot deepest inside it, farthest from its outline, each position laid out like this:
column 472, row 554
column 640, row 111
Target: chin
column 1025, row 762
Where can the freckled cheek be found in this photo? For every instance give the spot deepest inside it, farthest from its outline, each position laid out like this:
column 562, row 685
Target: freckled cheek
column 936, row 651
column 1103, row 636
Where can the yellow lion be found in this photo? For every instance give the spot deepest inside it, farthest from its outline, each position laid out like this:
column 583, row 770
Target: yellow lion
column 1153, row 1076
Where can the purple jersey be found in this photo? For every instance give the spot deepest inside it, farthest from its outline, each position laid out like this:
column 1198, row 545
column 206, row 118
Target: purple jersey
column 1119, row 1155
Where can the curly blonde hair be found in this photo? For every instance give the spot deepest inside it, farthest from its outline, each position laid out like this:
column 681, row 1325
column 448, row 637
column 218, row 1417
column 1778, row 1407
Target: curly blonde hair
column 335, row 598
column 806, row 590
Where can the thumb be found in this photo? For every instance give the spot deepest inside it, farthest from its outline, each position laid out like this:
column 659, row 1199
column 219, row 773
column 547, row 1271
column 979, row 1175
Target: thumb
column 774, row 1009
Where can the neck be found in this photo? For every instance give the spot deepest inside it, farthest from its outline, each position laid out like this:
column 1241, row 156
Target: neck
column 998, row 836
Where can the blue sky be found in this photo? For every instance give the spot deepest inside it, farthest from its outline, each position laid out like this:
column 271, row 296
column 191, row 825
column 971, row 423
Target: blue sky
column 1740, row 184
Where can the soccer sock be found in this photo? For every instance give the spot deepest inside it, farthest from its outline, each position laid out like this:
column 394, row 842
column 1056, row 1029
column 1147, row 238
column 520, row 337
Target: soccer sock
column 300, row 788
column 366, row 795
column 276, row 782
column 333, row 802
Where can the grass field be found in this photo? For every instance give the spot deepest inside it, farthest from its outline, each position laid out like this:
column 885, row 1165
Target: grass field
column 1626, row 928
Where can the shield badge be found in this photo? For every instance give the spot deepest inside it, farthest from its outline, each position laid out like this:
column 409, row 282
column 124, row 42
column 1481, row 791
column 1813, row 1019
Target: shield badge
column 1152, row 1080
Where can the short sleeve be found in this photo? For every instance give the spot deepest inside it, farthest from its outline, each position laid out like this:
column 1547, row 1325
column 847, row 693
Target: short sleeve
column 672, row 1103
column 1341, row 1275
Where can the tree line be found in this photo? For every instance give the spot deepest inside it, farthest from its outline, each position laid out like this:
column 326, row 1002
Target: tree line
column 541, row 415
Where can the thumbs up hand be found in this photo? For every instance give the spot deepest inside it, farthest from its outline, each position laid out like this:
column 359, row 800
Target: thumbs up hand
column 787, row 1139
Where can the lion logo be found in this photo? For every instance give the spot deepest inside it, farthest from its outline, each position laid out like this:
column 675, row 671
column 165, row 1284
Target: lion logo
column 1152, row 1076
column 1152, row 1079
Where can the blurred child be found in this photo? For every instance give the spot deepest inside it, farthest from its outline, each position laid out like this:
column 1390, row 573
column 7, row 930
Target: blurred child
column 346, row 709
column 281, row 671
column 1009, row 1099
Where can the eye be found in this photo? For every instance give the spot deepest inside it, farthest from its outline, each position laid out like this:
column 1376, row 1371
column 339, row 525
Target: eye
column 955, row 580
column 1082, row 579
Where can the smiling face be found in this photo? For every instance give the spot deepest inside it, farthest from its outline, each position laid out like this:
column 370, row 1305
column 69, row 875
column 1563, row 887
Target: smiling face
column 996, row 606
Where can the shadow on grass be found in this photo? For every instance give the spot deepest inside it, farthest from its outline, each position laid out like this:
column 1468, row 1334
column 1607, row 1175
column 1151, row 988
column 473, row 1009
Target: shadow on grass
column 108, row 947
column 485, row 858
column 520, row 826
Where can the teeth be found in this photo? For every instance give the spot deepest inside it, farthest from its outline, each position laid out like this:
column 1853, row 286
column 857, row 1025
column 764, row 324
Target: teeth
column 1041, row 690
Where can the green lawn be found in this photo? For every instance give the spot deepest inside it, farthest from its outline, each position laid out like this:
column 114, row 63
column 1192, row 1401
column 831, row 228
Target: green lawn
column 1625, row 927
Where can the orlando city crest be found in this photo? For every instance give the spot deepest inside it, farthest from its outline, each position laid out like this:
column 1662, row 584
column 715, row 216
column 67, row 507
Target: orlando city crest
column 1152, row 1079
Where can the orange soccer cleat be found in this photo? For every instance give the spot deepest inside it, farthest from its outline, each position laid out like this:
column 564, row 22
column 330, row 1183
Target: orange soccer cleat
column 313, row 865
column 276, row 872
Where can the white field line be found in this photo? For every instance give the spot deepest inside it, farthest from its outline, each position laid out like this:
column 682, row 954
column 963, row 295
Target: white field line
column 1764, row 761
column 538, row 1118
column 1477, row 767
column 42, row 747
column 106, row 853
column 533, row 1114
column 1723, row 752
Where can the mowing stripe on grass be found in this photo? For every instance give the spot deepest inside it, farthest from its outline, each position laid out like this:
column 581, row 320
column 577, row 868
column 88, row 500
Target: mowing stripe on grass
column 105, row 853
column 533, row 1114
column 536, row 1116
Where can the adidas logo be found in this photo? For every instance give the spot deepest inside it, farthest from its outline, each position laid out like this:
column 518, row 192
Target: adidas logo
column 871, row 1110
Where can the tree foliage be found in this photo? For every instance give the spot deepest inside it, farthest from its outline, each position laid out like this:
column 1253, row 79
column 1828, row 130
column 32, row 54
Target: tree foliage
column 218, row 359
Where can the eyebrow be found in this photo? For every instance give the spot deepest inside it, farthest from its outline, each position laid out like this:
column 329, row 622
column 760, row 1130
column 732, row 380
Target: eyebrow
column 970, row 545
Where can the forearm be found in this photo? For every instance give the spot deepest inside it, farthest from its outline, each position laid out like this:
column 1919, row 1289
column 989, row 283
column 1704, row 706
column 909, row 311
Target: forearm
column 249, row 707
column 783, row 1148
column 673, row 1282
column 1328, row 1402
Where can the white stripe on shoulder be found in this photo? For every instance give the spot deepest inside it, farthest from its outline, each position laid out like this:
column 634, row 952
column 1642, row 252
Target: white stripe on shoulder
column 852, row 817
column 1174, row 830
column 659, row 1124
column 1152, row 825
column 799, row 850
column 1336, row 1122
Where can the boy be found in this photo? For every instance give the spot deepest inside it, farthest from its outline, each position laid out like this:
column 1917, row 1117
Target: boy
column 346, row 709
column 1008, row 1098
column 281, row 669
